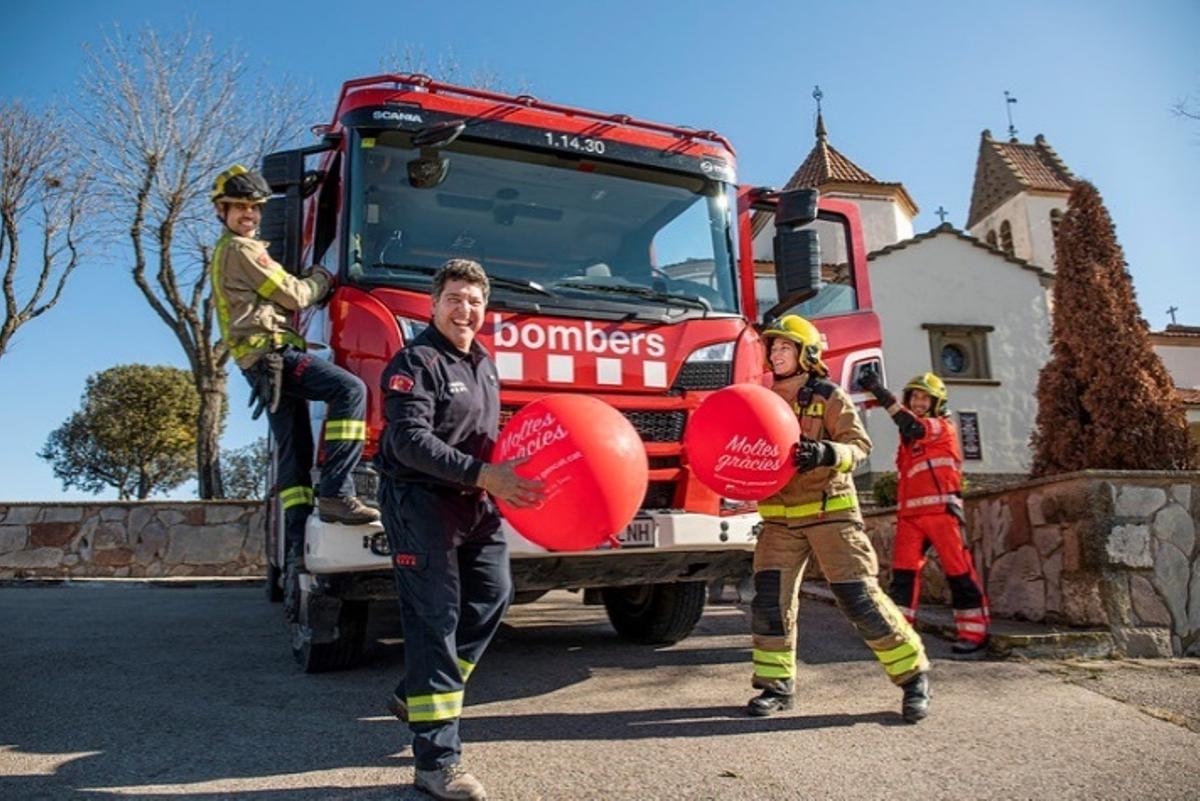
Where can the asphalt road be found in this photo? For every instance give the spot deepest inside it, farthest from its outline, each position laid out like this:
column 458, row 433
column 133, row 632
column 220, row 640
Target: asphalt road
column 166, row 693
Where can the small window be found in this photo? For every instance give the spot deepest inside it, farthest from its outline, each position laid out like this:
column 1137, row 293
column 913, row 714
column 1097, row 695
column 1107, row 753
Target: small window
column 959, row 351
column 991, row 237
column 1006, row 239
column 1056, row 216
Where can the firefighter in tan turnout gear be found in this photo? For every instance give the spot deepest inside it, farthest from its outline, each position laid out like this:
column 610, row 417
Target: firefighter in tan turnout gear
column 816, row 514
column 256, row 299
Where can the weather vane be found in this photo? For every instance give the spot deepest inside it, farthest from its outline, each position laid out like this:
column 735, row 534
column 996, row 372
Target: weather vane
column 1008, row 104
column 817, row 95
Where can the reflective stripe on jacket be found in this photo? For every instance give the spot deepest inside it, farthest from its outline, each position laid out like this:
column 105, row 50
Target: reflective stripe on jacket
column 256, row 297
column 929, row 469
column 825, row 493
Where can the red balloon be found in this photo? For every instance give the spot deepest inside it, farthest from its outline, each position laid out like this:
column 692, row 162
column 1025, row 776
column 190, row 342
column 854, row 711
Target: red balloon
column 740, row 442
column 593, row 464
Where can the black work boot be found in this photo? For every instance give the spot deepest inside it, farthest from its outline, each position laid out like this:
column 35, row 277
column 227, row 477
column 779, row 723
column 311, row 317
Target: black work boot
column 915, row 706
column 450, row 783
column 969, row 649
column 768, row 702
column 349, row 511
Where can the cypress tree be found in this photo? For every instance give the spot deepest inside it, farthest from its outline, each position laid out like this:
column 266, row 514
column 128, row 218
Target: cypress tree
column 1105, row 401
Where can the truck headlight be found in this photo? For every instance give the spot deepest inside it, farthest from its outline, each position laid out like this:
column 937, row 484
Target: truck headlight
column 709, row 367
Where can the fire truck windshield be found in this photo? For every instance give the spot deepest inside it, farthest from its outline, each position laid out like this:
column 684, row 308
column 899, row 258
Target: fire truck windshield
column 563, row 230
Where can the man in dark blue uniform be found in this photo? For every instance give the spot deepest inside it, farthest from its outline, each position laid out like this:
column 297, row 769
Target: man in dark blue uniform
column 442, row 404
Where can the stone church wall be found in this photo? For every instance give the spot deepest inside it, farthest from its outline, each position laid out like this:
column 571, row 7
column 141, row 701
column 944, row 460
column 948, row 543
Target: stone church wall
column 1095, row 549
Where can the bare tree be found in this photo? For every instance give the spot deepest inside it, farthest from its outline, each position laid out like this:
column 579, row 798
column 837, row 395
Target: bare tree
column 1187, row 108
column 164, row 116
column 447, row 66
column 42, row 185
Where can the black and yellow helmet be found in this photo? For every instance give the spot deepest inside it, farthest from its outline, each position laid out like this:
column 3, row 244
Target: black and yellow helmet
column 932, row 386
column 240, row 185
column 806, row 336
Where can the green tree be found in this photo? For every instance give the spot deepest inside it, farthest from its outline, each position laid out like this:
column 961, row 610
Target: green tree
column 244, row 470
column 135, row 431
column 1105, row 401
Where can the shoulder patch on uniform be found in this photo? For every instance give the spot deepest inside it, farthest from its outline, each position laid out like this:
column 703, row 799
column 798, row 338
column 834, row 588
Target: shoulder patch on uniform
column 400, row 383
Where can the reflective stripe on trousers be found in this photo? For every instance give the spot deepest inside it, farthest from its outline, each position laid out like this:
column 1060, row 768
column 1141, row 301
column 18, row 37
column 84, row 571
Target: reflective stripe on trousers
column 774, row 664
column 835, row 504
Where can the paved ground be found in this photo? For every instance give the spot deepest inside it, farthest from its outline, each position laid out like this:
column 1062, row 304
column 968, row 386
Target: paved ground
column 153, row 692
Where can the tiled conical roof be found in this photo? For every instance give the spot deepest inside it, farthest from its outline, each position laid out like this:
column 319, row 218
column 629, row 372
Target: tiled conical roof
column 827, row 168
column 1005, row 169
column 825, row 164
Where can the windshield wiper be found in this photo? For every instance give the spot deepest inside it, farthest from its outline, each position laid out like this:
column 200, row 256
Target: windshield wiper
column 644, row 292
column 505, row 281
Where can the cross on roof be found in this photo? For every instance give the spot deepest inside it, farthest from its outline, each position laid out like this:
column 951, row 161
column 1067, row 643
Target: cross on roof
column 1171, row 311
column 1008, row 104
column 941, row 213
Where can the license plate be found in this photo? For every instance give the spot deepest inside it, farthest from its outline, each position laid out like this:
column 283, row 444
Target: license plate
column 639, row 534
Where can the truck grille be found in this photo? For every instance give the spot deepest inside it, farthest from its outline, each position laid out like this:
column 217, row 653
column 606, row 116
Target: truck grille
column 659, row 495
column 704, row 375
column 655, row 426
column 652, row 426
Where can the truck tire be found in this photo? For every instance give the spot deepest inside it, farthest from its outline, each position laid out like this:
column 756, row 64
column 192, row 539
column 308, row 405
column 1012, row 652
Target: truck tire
column 327, row 633
column 655, row 613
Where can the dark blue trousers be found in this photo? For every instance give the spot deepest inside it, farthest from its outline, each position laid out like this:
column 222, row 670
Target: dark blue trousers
column 450, row 562
column 308, row 378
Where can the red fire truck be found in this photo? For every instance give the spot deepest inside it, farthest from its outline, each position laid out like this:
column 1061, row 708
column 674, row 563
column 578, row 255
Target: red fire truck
column 625, row 263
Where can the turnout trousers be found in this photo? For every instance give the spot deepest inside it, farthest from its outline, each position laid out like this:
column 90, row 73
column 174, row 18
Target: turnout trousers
column 308, row 378
column 450, row 562
column 849, row 563
column 914, row 535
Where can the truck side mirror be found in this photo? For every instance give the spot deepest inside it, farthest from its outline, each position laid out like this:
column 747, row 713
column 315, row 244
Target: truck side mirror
column 283, row 216
column 797, row 250
column 797, row 267
column 796, row 207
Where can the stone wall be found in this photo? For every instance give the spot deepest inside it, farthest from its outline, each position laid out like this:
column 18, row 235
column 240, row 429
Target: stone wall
column 131, row 539
column 1099, row 549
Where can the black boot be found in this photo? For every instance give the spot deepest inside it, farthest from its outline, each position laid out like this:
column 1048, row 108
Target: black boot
column 768, row 702
column 915, row 706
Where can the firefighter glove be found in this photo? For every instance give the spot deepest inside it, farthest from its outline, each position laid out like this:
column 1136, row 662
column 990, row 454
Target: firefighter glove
column 869, row 380
column 814, row 453
column 266, row 384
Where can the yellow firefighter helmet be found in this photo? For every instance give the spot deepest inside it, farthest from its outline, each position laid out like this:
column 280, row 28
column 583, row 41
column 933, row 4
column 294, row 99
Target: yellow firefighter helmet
column 240, row 185
column 806, row 336
column 932, row 386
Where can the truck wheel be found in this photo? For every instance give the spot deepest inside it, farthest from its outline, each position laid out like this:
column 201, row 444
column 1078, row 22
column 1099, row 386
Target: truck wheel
column 655, row 613
column 327, row 633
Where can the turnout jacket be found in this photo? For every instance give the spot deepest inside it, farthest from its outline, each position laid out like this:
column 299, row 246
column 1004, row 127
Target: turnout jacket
column 256, row 298
column 827, row 413
column 929, row 469
column 442, row 408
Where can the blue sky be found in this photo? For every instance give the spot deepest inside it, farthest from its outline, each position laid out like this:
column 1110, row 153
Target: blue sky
column 908, row 87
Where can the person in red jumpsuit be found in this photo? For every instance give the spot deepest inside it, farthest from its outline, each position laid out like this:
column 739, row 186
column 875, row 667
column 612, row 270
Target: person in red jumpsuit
column 929, row 507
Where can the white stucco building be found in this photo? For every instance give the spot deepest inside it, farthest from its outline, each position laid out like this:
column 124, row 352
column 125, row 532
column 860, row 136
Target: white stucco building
column 950, row 303
column 1179, row 348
